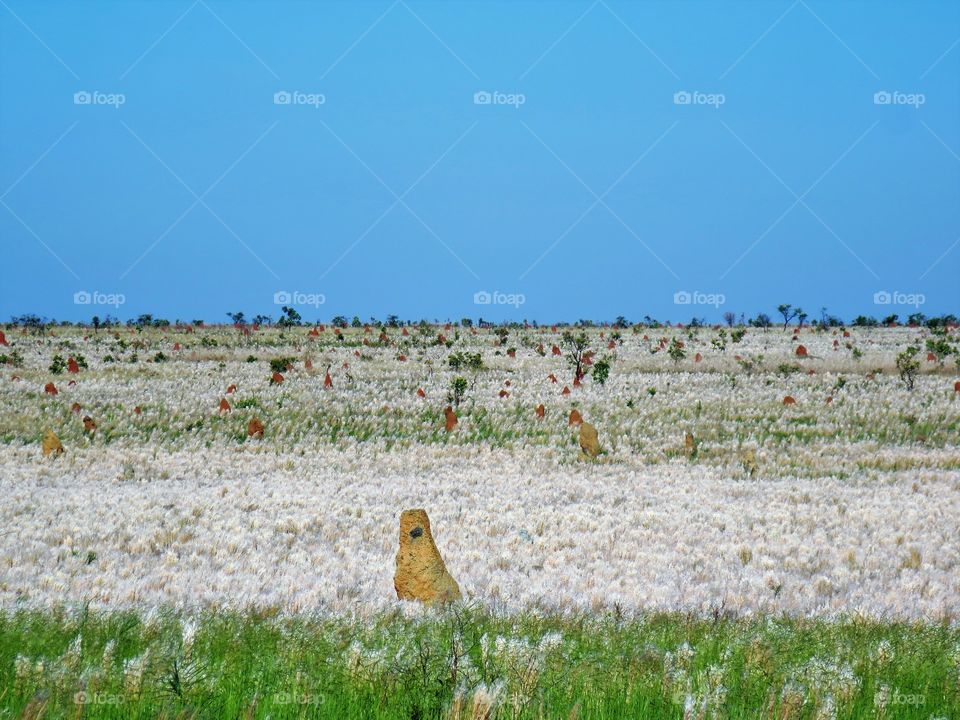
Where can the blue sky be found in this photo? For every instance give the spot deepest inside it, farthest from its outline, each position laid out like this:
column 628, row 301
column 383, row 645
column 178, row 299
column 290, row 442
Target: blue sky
column 587, row 187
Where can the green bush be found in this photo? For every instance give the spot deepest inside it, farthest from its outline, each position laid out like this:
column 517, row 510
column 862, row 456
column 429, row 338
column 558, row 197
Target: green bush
column 601, row 370
column 282, row 364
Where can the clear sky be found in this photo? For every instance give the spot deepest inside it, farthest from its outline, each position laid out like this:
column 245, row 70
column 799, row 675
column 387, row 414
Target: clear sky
column 179, row 181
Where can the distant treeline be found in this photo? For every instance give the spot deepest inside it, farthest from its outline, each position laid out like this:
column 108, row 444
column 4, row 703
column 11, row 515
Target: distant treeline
column 289, row 317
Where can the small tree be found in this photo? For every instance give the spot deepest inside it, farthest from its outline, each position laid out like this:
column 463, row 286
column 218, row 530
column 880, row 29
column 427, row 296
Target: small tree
column 676, row 351
column 576, row 348
column 289, row 318
column 908, row 365
column 729, row 318
column 762, row 320
column 458, row 389
column 788, row 312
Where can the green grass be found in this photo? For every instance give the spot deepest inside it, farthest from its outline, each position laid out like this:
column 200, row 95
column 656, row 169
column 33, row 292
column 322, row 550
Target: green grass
column 63, row 663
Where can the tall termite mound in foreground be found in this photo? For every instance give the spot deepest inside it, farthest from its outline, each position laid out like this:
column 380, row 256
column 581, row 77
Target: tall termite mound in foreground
column 589, row 442
column 421, row 574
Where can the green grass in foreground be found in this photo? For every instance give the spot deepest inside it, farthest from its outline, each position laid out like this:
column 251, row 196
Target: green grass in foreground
column 470, row 663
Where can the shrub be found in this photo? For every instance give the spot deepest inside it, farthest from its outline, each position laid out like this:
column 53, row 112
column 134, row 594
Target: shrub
column 14, row 358
column 720, row 341
column 282, row 364
column 460, row 360
column 601, row 370
column 676, row 351
column 458, row 389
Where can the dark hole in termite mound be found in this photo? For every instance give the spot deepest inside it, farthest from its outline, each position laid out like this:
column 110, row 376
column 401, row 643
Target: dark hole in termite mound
column 416, row 532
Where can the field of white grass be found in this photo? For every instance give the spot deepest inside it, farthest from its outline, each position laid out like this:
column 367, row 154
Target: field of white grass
column 846, row 501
